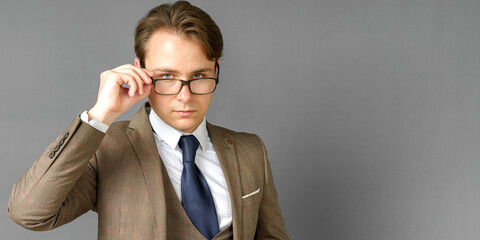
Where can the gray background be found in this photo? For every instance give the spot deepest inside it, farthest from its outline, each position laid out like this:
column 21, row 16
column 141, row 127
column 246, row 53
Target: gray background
column 369, row 108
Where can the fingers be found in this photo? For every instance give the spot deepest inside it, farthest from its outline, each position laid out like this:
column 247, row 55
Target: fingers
column 140, row 78
column 144, row 73
column 146, row 90
column 135, row 77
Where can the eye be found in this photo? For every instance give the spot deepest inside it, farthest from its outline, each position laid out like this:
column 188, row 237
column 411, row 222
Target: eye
column 166, row 75
column 198, row 75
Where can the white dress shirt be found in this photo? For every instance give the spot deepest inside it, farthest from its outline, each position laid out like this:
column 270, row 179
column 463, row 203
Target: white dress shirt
column 166, row 139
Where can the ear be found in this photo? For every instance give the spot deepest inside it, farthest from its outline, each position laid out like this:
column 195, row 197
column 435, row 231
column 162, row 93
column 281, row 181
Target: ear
column 217, row 66
column 137, row 63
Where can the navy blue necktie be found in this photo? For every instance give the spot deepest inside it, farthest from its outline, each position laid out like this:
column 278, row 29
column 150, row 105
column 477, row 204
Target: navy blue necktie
column 196, row 197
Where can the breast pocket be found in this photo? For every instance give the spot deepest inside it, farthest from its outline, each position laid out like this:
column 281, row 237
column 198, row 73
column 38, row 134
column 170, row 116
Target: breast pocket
column 251, row 197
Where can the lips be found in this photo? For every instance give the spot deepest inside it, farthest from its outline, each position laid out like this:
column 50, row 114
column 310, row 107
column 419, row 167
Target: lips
column 185, row 113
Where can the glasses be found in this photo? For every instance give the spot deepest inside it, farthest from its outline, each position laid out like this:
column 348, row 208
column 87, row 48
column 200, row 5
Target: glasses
column 198, row 86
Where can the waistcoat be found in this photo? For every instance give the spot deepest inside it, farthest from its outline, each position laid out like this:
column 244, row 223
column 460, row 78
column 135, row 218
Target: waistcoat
column 179, row 225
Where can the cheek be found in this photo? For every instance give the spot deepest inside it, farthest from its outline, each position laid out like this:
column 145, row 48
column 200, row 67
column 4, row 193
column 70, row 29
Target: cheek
column 204, row 102
column 159, row 103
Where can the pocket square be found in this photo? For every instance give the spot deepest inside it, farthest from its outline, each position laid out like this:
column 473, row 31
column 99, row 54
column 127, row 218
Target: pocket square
column 252, row 193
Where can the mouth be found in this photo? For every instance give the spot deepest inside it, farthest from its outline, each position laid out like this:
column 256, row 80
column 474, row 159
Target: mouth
column 185, row 113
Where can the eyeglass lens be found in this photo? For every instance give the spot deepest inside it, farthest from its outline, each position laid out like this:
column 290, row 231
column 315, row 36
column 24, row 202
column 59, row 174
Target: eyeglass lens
column 174, row 86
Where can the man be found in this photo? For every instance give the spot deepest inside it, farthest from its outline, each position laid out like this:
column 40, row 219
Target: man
column 166, row 173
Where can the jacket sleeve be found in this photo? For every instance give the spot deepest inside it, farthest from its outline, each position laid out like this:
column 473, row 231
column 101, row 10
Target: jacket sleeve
column 270, row 223
column 61, row 183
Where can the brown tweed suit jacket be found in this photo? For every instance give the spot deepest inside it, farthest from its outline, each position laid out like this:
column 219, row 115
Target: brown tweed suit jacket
column 118, row 175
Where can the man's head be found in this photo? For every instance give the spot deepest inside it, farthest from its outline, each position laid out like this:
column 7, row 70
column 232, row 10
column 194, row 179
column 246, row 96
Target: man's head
column 183, row 19
column 179, row 41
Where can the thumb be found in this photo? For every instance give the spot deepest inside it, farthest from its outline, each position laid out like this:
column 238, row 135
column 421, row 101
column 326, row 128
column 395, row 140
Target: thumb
column 147, row 89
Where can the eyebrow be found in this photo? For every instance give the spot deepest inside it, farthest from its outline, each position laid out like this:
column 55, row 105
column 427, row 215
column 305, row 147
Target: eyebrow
column 164, row 69
column 171, row 70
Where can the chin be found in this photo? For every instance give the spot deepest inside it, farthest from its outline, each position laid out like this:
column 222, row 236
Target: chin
column 186, row 125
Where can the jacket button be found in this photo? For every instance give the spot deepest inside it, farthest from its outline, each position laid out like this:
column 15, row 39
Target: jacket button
column 56, row 148
column 230, row 141
column 52, row 154
column 61, row 141
column 66, row 135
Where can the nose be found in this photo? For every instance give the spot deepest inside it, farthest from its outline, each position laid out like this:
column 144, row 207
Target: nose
column 184, row 94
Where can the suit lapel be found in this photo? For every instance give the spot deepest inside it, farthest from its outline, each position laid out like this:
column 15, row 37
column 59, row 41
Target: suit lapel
column 141, row 137
column 225, row 148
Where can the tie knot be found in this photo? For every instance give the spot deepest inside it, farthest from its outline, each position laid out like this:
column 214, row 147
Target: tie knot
column 189, row 145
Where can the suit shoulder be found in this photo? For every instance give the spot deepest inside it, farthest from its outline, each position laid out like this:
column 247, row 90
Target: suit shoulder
column 117, row 130
column 238, row 136
column 119, row 126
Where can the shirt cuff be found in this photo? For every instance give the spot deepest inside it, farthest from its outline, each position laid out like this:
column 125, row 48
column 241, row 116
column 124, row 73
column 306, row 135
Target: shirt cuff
column 94, row 123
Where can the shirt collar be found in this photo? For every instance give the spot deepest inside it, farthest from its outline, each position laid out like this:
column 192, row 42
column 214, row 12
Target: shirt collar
column 171, row 135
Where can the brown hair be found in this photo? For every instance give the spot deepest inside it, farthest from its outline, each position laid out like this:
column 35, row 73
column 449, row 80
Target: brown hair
column 184, row 19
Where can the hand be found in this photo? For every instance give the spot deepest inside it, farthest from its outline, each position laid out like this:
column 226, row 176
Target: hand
column 113, row 100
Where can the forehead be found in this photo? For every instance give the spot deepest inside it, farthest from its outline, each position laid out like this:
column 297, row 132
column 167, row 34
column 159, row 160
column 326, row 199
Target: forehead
column 168, row 49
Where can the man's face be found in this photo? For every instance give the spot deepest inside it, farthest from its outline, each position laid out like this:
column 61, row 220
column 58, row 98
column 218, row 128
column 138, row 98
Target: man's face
column 171, row 56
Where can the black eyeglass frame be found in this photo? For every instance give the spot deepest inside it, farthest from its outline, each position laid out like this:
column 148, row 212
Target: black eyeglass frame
column 187, row 82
